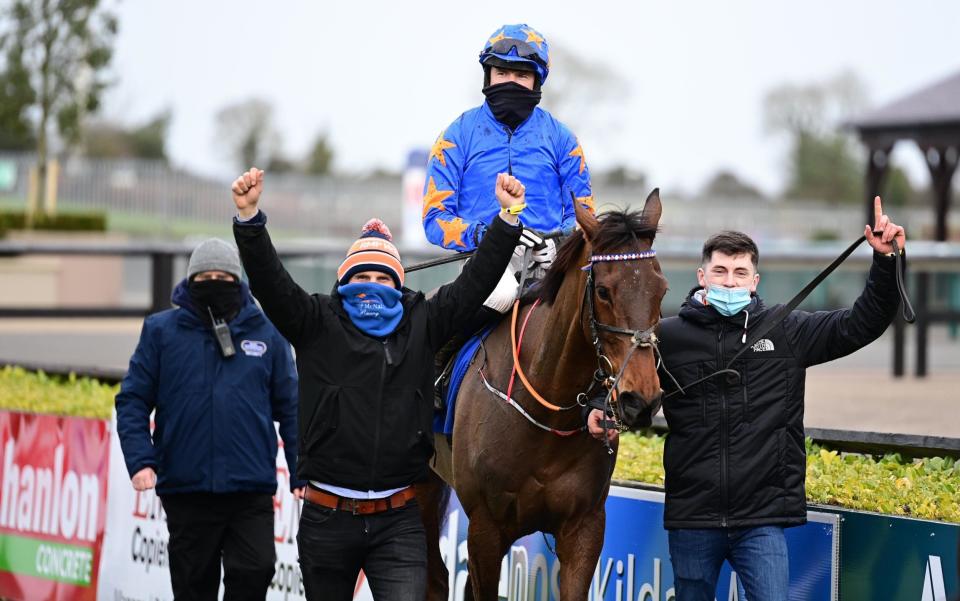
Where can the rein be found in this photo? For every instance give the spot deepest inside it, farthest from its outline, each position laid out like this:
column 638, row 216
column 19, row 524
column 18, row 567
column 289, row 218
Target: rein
column 463, row 256
column 517, row 369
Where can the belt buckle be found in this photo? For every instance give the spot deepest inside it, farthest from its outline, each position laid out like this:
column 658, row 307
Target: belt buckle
column 351, row 505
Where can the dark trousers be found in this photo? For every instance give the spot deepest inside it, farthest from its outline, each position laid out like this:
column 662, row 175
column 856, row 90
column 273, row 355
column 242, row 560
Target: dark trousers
column 390, row 547
column 205, row 528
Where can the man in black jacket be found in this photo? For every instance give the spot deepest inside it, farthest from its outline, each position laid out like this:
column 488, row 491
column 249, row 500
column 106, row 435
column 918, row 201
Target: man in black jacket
column 365, row 360
column 735, row 459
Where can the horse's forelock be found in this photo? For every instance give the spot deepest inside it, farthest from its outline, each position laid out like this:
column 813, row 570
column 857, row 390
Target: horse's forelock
column 618, row 229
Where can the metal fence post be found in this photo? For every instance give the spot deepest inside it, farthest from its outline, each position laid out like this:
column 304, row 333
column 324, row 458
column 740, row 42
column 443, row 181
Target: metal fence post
column 162, row 284
column 899, row 340
column 923, row 322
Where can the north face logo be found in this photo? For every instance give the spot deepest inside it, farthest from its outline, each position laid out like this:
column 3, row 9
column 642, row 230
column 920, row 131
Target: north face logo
column 764, row 344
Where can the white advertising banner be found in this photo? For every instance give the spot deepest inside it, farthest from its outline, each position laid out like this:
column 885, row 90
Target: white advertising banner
column 135, row 564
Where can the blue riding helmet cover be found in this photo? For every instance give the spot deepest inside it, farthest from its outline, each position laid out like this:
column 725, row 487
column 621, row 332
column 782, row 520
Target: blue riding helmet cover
column 519, row 43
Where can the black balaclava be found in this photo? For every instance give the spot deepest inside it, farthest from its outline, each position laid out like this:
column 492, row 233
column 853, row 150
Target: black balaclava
column 511, row 103
column 223, row 298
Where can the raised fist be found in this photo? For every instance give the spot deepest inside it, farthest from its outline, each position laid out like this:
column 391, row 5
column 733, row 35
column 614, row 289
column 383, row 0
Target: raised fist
column 246, row 192
column 510, row 192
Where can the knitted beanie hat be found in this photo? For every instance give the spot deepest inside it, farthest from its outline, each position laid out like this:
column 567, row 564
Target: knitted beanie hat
column 214, row 255
column 373, row 251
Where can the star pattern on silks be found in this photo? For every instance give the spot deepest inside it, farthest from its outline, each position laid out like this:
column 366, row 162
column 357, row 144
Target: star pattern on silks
column 578, row 152
column 453, row 231
column 434, row 198
column 497, row 38
column 436, row 151
column 533, row 36
column 588, row 202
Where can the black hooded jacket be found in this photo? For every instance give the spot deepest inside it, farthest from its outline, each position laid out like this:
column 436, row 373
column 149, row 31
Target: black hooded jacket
column 735, row 454
column 366, row 404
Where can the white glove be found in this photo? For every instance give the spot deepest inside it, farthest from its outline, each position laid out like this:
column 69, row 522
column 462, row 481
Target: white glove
column 502, row 297
column 530, row 238
column 545, row 256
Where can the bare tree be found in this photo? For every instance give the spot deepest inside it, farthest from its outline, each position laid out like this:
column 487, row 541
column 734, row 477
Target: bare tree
column 824, row 161
column 586, row 95
column 245, row 131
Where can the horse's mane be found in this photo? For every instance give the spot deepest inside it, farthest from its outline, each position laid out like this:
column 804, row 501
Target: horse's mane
column 618, row 229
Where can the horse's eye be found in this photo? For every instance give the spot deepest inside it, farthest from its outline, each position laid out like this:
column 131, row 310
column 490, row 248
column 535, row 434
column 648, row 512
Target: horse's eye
column 603, row 293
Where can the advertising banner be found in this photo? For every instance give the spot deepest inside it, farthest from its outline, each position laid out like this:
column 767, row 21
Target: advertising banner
column 53, row 505
column 635, row 561
column 135, row 563
column 897, row 559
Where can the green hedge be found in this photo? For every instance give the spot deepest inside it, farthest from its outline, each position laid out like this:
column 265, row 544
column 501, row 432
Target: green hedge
column 924, row 488
column 92, row 221
column 36, row 392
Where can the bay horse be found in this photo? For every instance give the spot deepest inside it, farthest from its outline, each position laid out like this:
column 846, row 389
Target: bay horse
column 533, row 467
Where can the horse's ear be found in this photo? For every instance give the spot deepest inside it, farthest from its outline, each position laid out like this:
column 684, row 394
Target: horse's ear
column 586, row 219
column 652, row 208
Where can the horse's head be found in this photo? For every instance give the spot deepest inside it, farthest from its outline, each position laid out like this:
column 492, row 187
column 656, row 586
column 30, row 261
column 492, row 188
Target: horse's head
column 627, row 289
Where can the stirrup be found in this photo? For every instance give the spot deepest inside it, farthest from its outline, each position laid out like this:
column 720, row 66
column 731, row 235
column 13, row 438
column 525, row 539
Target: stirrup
column 440, row 385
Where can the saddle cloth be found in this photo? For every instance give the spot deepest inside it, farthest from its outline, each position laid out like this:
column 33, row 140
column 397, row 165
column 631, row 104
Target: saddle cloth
column 443, row 419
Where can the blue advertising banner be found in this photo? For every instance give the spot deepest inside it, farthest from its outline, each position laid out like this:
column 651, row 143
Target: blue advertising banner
column 635, row 563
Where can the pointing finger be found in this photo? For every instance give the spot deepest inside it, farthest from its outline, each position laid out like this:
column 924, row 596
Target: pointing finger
column 877, row 211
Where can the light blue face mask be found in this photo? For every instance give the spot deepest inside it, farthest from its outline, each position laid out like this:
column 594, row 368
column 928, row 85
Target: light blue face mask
column 728, row 301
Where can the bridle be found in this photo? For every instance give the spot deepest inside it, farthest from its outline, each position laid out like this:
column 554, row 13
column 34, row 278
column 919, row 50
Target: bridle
column 646, row 338
column 603, row 376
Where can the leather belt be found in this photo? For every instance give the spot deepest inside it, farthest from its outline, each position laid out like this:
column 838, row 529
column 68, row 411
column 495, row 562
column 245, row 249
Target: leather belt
column 359, row 506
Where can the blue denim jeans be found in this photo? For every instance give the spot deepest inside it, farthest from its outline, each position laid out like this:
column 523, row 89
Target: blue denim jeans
column 390, row 547
column 758, row 555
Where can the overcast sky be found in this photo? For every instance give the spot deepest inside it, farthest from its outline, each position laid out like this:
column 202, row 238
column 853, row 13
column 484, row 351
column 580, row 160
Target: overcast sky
column 385, row 76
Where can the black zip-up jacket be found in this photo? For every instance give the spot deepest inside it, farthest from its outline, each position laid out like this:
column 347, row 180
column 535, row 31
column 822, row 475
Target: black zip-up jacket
column 366, row 404
column 735, row 454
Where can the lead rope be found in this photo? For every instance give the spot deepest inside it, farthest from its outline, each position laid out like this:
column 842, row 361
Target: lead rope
column 907, row 311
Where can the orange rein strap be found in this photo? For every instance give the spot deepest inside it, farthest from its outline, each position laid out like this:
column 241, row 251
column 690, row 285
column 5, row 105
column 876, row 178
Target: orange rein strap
column 515, row 346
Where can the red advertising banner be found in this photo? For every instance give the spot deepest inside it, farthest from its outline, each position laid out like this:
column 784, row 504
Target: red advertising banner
column 53, row 505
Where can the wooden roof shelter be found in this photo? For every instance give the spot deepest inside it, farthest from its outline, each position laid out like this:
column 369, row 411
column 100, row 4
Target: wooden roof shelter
column 930, row 117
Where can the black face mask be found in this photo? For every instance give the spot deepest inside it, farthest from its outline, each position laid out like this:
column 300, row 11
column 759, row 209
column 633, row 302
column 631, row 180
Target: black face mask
column 223, row 298
column 511, row 103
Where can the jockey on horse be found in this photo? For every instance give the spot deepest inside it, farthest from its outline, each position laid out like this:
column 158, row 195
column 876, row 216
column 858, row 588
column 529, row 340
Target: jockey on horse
column 507, row 133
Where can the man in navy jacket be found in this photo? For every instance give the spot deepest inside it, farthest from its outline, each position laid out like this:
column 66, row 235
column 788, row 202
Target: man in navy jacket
column 212, row 454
